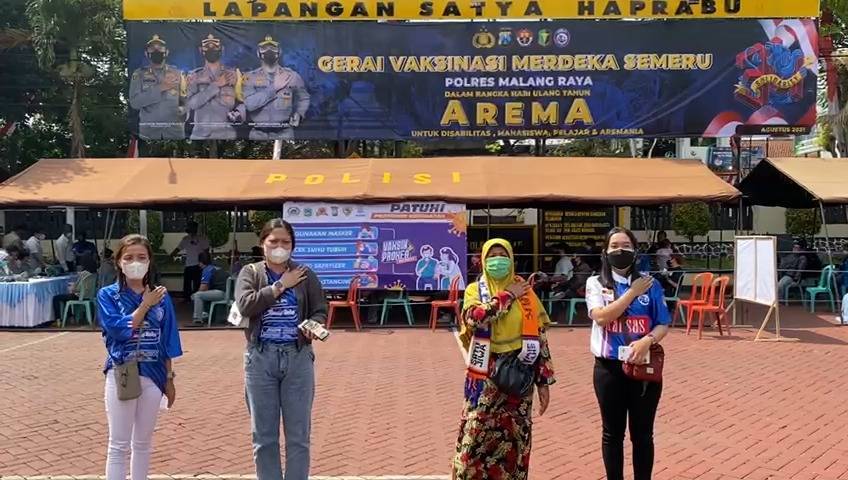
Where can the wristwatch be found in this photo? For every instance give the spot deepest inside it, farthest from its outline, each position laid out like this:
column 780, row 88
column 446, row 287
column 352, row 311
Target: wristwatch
column 653, row 338
column 279, row 285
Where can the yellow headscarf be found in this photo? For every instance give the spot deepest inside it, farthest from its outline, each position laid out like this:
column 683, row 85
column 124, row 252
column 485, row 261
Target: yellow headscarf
column 507, row 330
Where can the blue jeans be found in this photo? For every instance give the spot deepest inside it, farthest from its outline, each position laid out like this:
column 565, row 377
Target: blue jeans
column 280, row 381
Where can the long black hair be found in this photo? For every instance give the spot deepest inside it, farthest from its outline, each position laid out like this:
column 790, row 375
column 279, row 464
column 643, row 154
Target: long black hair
column 606, row 269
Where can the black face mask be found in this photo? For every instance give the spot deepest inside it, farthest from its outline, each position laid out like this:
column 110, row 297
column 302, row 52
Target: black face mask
column 212, row 56
column 270, row 58
column 157, row 57
column 621, row 259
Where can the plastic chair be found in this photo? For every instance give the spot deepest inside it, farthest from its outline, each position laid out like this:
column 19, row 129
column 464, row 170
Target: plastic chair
column 227, row 302
column 788, row 289
column 715, row 304
column 401, row 300
column 676, row 298
column 351, row 302
column 824, row 286
column 572, row 307
column 87, row 287
column 452, row 302
column 700, row 288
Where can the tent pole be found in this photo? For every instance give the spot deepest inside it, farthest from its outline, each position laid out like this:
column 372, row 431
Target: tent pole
column 235, row 228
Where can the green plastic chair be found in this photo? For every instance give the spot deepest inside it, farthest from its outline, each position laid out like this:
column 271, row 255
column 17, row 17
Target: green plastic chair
column 227, row 302
column 87, row 287
column 572, row 308
column 676, row 298
column 824, row 286
column 401, row 300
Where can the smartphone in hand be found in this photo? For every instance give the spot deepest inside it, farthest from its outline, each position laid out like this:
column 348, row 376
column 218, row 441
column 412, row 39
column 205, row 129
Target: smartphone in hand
column 315, row 328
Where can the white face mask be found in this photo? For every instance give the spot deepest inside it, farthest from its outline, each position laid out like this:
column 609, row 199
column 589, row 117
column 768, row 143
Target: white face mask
column 278, row 256
column 135, row 270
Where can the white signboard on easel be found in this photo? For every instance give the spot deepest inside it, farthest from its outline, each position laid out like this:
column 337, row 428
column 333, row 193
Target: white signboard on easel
column 755, row 278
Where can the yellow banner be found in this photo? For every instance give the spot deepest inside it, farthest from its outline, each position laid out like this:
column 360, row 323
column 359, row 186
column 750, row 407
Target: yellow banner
column 463, row 9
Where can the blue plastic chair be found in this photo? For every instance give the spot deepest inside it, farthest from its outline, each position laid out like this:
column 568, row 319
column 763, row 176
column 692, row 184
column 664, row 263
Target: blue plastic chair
column 87, row 288
column 401, row 300
column 825, row 286
column 227, row 302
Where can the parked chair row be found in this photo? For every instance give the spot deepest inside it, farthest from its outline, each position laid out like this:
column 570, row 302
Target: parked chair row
column 402, row 300
column 709, row 295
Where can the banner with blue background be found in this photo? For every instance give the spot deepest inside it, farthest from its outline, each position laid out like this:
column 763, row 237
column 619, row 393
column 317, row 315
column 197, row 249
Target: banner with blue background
column 437, row 80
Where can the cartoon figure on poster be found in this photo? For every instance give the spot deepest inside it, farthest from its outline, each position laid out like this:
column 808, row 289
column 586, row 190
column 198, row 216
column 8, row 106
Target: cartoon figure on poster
column 426, row 269
column 448, row 269
column 368, row 233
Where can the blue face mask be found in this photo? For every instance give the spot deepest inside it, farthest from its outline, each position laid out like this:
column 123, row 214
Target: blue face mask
column 498, row 267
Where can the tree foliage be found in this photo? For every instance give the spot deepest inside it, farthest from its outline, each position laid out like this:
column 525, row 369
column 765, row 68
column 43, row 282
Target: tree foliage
column 804, row 223
column 691, row 219
column 218, row 228
column 154, row 228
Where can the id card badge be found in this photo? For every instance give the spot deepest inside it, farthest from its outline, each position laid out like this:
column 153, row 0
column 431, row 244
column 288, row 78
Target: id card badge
column 624, row 354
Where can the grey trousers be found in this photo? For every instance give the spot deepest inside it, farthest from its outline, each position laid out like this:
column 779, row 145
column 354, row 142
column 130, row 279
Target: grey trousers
column 280, row 383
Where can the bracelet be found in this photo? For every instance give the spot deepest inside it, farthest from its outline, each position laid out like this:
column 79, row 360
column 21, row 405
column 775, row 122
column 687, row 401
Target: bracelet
column 172, row 375
column 654, row 340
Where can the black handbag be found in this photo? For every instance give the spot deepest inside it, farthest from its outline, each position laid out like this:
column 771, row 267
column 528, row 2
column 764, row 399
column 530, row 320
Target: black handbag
column 512, row 376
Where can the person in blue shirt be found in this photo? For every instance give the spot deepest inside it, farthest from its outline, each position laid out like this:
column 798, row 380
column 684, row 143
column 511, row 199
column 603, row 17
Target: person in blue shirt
column 627, row 309
column 138, row 322
column 274, row 296
column 213, row 286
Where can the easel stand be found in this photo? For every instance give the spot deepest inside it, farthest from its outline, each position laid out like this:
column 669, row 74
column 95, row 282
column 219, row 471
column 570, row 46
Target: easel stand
column 773, row 309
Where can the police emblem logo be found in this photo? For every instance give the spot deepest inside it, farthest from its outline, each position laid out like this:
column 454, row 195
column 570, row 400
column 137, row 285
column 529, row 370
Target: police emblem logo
column 562, row 37
column 544, row 37
column 483, row 39
column 644, row 300
column 505, row 37
column 524, row 37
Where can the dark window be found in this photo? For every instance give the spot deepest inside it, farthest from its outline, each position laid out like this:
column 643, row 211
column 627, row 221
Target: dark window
column 726, row 218
column 835, row 215
column 650, row 218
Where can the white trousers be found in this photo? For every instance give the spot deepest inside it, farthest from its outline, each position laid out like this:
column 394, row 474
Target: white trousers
column 131, row 425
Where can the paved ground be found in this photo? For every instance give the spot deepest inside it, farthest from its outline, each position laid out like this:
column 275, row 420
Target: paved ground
column 388, row 405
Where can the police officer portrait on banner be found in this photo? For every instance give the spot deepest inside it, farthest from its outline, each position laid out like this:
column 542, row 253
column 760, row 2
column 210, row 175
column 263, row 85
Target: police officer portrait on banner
column 212, row 94
column 157, row 91
column 275, row 97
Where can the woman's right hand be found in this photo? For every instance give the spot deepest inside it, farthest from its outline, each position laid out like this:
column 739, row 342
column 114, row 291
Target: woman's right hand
column 292, row 278
column 518, row 289
column 151, row 298
column 642, row 285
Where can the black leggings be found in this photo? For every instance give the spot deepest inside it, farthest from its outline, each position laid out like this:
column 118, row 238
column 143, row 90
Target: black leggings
column 619, row 396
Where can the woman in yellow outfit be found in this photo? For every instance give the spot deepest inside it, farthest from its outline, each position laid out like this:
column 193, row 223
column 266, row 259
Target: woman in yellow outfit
column 503, row 324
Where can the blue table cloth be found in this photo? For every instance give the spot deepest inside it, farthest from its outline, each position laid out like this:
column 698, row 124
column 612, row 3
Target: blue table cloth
column 29, row 304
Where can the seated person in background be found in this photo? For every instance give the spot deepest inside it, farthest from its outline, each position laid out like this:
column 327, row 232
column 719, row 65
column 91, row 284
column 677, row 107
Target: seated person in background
column 576, row 286
column 592, row 254
column 106, row 274
column 663, row 255
column 88, row 274
column 671, row 277
column 792, row 266
column 564, row 268
column 83, row 247
column 843, row 268
column 213, row 284
column 18, row 260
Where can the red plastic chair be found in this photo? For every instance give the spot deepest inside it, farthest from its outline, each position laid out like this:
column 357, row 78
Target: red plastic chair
column 452, row 302
column 352, row 303
column 715, row 305
column 700, row 288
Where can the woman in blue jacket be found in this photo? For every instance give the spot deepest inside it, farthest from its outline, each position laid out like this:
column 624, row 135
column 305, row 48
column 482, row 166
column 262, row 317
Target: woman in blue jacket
column 138, row 322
